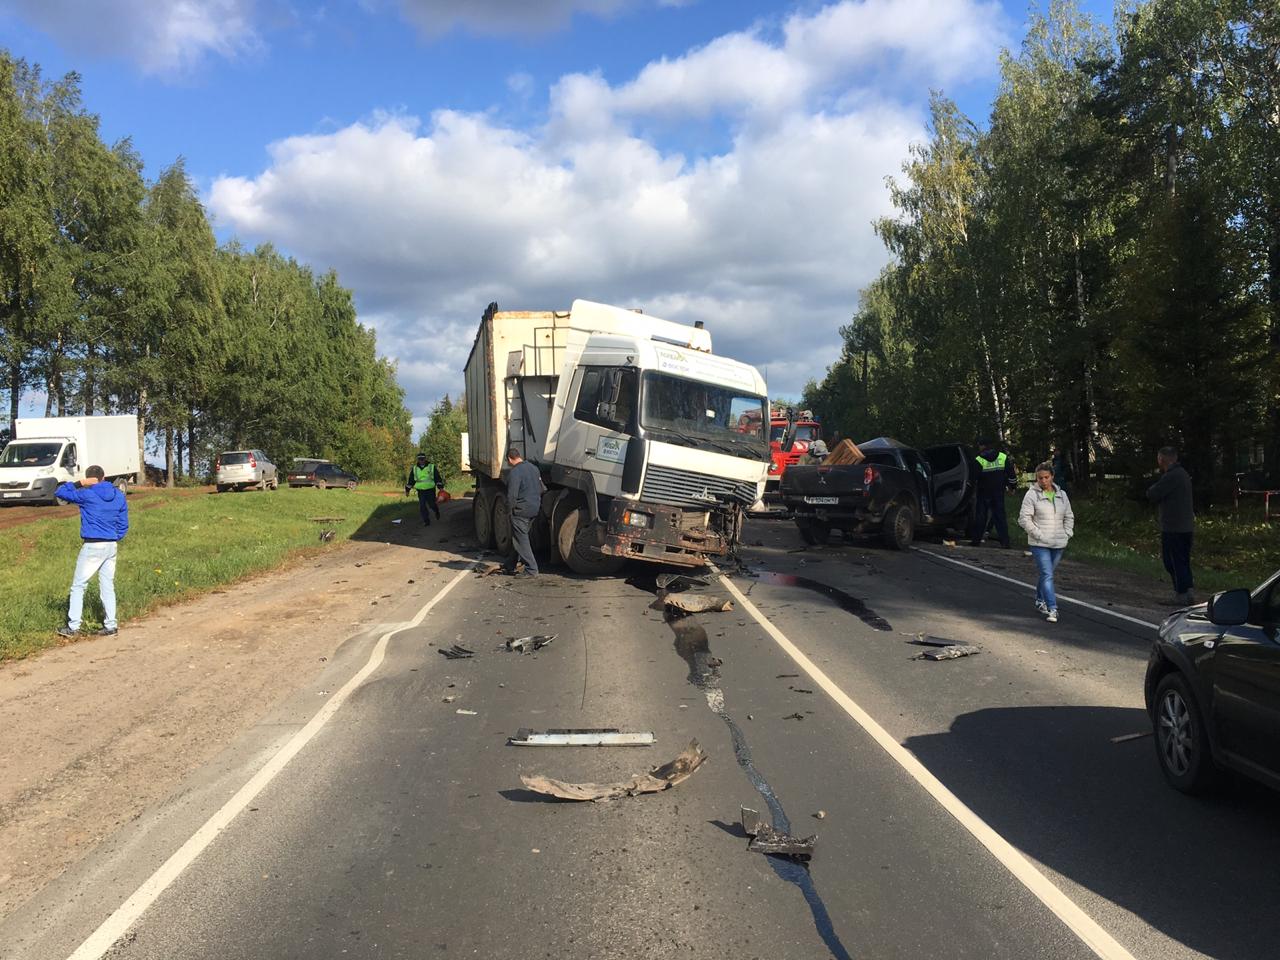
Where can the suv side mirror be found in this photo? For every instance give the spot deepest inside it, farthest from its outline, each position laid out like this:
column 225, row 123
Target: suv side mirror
column 1230, row 608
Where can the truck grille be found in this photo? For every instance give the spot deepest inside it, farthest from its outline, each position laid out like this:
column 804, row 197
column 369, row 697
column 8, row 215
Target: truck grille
column 14, row 485
column 684, row 488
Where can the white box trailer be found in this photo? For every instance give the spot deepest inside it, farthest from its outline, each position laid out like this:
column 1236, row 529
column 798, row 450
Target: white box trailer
column 48, row 451
column 650, row 446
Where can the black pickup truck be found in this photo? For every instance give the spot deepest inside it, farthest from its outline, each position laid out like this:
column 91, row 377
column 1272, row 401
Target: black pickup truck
column 895, row 491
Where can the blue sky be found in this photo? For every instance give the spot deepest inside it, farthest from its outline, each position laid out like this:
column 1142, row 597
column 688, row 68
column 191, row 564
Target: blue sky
column 707, row 160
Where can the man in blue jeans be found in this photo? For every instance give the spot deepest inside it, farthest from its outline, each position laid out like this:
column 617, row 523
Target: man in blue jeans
column 104, row 520
column 1172, row 493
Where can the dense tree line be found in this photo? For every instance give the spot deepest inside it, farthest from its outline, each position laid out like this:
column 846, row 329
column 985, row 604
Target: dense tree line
column 116, row 298
column 1098, row 268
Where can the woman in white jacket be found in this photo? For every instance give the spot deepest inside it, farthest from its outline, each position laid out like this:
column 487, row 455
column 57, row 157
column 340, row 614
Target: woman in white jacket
column 1046, row 516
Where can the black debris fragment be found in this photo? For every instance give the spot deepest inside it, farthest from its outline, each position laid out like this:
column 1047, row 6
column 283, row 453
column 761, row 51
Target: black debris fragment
column 456, row 652
column 794, row 716
column 925, row 640
column 666, row 581
column 765, row 839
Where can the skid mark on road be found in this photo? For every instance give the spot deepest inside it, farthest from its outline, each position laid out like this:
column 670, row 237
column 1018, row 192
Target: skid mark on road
column 1023, row 870
column 704, row 673
column 118, row 924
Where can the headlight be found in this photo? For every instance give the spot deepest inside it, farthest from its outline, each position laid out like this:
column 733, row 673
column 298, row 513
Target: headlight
column 46, row 472
column 633, row 518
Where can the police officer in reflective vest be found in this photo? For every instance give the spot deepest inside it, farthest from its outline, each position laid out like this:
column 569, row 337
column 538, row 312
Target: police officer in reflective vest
column 426, row 479
column 997, row 476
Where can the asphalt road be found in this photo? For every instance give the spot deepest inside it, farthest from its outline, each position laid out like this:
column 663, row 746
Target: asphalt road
column 401, row 828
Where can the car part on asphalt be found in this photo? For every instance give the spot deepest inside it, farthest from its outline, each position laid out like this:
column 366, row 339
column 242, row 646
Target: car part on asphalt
column 529, row 644
column 466, row 713
column 794, row 716
column 1125, row 738
column 665, row 580
column 925, row 640
column 697, row 603
column 765, row 839
column 655, row 781
column 456, row 652
column 604, row 737
column 952, row 652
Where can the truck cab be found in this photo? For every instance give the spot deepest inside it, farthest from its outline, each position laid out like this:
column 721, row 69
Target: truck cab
column 651, row 447
column 30, row 470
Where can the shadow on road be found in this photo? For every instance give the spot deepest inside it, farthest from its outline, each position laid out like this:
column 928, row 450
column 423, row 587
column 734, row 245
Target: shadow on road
column 1202, row 871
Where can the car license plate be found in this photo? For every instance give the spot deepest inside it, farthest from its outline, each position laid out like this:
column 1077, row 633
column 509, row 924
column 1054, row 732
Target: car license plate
column 12, row 496
column 822, row 501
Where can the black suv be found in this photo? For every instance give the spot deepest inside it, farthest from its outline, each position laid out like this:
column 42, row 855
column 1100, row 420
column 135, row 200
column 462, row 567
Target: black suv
column 320, row 473
column 1213, row 689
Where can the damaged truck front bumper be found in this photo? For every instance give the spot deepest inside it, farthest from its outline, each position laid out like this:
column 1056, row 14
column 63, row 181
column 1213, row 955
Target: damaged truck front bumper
column 662, row 534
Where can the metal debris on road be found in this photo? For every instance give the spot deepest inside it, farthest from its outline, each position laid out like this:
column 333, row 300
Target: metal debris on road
column 799, row 689
column 1125, row 738
column 466, row 713
column 794, row 716
column 450, row 699
column 529, row 644
column 787, row 676
column 602, row 737
column 925, row 640
column 457, row 652
column 951, row 652
column 655, row 781
column 697, row 603
column 765, row 839
column 665, row 580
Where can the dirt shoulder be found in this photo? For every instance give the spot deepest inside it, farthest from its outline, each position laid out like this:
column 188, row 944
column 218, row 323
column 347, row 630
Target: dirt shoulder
column 96, row 732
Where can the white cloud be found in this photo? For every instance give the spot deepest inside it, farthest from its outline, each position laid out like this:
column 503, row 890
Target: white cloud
column 161, row 36
column 767, row 238
column 501, row 16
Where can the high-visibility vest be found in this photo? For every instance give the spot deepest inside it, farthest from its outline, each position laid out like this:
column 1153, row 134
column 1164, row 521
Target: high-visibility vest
column 996, row 464
column 424, row 478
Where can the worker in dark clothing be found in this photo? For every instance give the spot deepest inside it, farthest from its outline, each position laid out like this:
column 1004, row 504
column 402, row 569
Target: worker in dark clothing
column 998, row 475
column 426, row 478
column 1172, row 492
column 524, row 498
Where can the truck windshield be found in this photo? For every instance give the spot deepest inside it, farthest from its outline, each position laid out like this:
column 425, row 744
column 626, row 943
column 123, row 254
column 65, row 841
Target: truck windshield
column 18, row 454
column 703, row 413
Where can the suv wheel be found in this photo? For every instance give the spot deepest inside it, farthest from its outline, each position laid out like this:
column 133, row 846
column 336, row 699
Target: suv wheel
column 899, row 526
column 1182, row 743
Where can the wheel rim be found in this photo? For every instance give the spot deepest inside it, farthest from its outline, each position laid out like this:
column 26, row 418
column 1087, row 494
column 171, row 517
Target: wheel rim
column 1176, row 733
column 903, row 526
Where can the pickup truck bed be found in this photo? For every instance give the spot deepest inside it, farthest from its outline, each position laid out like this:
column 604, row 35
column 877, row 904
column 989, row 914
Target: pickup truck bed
column 896, row 491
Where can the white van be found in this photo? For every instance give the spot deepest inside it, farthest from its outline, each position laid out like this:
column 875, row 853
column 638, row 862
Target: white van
column 48, row 451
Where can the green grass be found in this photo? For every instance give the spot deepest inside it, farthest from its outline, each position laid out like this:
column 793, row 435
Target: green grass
column 180, row 544
column 1229, row 551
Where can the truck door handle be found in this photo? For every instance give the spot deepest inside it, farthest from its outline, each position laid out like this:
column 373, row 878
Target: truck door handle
column 590, row 453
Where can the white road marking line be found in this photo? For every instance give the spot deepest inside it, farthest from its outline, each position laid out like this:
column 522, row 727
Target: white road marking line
column 118, row 924
column 1080, row 923
column 1032, row 586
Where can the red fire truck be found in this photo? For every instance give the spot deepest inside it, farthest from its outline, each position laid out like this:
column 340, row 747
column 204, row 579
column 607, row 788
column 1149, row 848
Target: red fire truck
column 790, row 433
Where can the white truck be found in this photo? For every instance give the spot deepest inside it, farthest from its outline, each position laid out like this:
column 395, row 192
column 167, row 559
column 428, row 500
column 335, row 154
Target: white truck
column 47, row 451
column 650, row 447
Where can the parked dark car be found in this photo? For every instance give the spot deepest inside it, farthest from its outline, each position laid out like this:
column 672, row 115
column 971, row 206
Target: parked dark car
column 320, row 473
column 895, row 491
column 1213, row 689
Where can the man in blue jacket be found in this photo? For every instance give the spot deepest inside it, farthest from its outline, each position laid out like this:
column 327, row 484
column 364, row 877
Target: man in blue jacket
column 104, row 520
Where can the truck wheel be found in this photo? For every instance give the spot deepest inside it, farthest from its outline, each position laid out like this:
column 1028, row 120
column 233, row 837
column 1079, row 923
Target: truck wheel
column 502, row 525
column 899, row 527
column 482, row 517
column 812, row 532
column 122, row 484
column 573, row 543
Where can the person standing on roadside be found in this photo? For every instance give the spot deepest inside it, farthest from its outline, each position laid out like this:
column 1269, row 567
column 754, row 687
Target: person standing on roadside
column 1172, row 493
column 426, row 479
column 998, row 475
column 1047, row 518
column 524, row 497
column 104, row 520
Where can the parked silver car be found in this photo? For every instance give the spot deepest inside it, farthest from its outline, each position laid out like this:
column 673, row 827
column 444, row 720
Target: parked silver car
column 242, row 469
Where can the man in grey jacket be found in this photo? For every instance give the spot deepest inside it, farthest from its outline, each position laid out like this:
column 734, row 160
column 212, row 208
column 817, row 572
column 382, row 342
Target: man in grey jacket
column 524, row 497
column 1172, row 492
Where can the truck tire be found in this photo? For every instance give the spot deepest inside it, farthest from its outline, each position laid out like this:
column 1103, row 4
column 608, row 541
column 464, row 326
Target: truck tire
column 122, row 484
column 502, row 525
column 482, row 517
column 899, row 527
column 813, row 533
column 573, row 544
